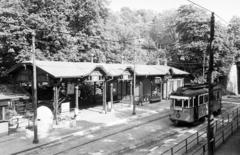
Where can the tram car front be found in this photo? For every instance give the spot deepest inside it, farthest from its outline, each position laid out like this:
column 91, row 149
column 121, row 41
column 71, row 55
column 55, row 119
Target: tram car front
column 190, row 103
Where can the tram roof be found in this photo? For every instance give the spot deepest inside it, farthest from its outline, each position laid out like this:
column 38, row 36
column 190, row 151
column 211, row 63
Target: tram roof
column 61, row 69
column 193, row 91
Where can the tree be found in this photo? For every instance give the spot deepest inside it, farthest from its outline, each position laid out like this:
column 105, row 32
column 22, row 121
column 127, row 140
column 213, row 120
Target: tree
column 65, row 30
column 234, row 35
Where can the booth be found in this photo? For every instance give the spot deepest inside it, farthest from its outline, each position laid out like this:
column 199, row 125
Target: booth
column 3, row 121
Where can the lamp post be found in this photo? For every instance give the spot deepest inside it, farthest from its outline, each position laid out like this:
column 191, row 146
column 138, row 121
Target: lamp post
column 134, row 84
column 34, row 93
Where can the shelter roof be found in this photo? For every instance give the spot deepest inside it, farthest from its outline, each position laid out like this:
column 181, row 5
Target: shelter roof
column 60, row 69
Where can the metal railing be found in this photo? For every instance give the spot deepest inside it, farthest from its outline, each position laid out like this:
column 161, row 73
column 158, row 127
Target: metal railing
column 223, row 128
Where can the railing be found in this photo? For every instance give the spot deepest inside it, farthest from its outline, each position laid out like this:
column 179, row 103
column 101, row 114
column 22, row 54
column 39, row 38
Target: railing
column 223, row 129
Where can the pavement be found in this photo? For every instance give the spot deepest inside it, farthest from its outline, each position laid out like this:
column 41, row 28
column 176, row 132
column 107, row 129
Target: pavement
column 87, row 121
column 231, row 146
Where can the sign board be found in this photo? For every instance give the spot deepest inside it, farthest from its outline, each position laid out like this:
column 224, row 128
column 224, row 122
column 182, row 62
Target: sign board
column 65, row 107
column 157, row 80
column 126, row 75
column 70, row 88
column 95, row 78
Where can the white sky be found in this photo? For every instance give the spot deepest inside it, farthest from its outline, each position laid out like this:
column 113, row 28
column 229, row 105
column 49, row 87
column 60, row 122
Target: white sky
column 224, row 8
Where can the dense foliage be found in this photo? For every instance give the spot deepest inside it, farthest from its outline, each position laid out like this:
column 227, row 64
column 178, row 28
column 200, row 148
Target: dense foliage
column 72, row 30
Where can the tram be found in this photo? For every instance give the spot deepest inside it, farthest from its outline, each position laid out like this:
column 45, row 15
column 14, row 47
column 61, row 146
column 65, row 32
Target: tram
column 190, row 103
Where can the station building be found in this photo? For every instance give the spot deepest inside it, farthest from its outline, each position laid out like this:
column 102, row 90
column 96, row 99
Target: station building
column 85, row 84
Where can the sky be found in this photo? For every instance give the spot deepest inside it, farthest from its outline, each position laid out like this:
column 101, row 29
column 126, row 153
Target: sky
column 226, row 9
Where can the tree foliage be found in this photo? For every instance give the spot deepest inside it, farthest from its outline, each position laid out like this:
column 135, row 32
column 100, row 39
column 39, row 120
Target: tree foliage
column 73, row 30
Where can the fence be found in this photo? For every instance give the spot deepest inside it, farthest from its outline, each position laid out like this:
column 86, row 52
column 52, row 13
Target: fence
column 196, row 143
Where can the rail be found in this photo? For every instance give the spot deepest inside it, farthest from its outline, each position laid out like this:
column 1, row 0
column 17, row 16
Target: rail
column 223, row 128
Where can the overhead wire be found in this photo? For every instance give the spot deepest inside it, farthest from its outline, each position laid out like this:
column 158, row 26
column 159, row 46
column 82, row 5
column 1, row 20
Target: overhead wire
column 200, row 6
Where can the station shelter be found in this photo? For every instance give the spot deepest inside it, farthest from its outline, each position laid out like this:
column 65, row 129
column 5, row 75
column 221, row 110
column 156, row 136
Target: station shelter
column 85, row 84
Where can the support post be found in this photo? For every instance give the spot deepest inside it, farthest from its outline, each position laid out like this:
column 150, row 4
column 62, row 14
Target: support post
column 104, row 97
column 55, row 102
column 34, row 93
column 134, row 85
column 210, row 127
column 76, row 100
column 111, row 96
column 3, row 113
column 131, row 93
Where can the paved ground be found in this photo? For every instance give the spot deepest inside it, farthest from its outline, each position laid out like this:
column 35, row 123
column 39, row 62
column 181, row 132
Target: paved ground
column 88, row 120
column 231, row 146
column 92, row 124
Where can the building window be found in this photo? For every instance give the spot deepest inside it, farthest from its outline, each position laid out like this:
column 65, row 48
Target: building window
column 171, row 86
column 179, row 83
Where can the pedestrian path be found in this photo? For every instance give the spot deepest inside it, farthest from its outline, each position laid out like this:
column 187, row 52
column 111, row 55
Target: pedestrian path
column 87, row 121
column 231, row 146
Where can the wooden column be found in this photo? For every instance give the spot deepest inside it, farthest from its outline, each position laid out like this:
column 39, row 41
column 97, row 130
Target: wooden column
column 111, row 95
column 3, row 113
column 104, row 97
column 76, row 101
column 131, row 93
column 55, row 100
column 94, row 92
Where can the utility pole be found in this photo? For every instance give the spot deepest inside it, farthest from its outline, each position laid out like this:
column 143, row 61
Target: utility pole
column 204, row 62
column 210, row 127
column 34, row 89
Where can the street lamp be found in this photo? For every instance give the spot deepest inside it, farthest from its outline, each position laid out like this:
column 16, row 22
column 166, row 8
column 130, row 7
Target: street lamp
column 34, row 91
column 134, row 84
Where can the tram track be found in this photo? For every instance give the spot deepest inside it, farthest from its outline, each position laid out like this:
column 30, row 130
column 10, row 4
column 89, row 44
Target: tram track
column 57, row 142
column 152, row 140
column 149, row 144
column 157, row 143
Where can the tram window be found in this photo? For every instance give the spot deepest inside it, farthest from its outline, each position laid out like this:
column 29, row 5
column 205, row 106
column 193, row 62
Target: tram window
column 178, row 103
column 206, row 98
column 185, row 104
column 191, row 102
column 200, row 99
column 196, row 101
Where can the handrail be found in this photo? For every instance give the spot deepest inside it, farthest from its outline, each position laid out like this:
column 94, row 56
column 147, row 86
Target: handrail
column 225, row 124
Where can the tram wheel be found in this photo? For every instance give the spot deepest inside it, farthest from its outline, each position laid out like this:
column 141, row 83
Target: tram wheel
column 202, row 119
column 219, row 112
column 176, row 123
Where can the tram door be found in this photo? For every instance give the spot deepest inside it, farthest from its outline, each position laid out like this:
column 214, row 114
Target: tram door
column 196, row 107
